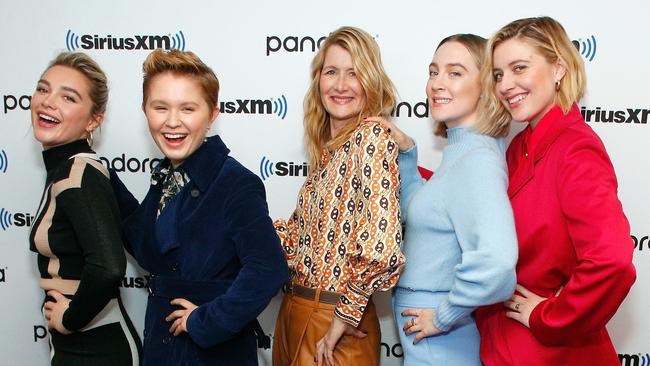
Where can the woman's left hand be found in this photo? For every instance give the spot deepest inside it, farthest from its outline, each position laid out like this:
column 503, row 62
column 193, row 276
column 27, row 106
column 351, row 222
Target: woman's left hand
column 179, row 317
column 54, row 310
column 523, row 305
column 325, row 346
column 421, row 322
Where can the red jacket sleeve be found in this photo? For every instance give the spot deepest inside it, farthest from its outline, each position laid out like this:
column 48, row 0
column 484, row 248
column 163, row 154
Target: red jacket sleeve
column 600, row 233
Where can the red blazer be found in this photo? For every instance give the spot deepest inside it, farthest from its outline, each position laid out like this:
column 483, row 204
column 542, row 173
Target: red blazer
column 572, row 235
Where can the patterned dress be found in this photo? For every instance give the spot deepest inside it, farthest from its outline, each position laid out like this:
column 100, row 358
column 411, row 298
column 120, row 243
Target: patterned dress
column 344, row 235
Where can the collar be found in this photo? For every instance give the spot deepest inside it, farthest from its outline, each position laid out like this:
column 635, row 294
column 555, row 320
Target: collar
column 204, row 163
column 58, row 154
column 548, row 129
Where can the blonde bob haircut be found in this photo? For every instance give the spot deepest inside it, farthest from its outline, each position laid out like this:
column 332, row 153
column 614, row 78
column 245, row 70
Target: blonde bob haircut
column 551, row 41
column 379, row 91
column 475, row 45
column 183, row 63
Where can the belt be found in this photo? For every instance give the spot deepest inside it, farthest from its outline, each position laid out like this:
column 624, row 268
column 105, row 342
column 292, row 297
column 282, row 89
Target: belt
column 326, row 297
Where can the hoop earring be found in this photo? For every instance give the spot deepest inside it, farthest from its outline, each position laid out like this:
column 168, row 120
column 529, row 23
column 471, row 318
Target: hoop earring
column 89, row 138
column 557, row 85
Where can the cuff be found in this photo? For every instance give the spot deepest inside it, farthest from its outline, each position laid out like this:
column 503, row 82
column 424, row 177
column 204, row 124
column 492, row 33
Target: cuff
column 352, row 305
column 447, row 314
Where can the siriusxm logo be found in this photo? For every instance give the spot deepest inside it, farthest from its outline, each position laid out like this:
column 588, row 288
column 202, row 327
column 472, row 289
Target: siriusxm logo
column 277, row 106
column 135, row 282
column 74, row 42
column 392, row 351
column 639, row 359
column 639, row 242
column 3, row 273
column 4, row 161
column 292, row 44
column 628, row 115
column 282, row 168
column 586, row 47
column 406, row 109
column 7, row 219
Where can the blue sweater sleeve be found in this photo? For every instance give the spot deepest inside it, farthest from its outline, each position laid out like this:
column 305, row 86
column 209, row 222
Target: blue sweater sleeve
column 410, row 179
column 264, row 267
column 480, row 212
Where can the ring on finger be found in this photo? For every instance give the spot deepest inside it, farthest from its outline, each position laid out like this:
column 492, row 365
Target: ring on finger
column 517, row 306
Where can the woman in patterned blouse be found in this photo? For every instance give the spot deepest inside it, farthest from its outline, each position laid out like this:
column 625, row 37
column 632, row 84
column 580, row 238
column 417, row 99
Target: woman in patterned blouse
column 343, row 240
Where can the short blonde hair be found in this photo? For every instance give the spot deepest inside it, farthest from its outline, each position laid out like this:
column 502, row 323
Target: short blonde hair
column 183, row 63
column 97, row 80
column 551, row 41
column 377, row 86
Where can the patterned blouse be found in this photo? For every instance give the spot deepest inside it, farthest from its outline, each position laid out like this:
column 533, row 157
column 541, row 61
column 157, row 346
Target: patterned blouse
column 345, row 233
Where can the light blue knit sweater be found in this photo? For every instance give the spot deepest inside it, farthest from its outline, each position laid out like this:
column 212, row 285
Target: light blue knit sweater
column 460, row 235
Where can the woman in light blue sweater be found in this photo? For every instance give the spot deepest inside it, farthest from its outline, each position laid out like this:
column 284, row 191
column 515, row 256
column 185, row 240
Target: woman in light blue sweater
column 460, row 241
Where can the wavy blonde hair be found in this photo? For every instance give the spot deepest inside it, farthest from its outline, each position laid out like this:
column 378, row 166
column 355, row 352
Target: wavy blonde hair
column 551, row 41
column 377, row 86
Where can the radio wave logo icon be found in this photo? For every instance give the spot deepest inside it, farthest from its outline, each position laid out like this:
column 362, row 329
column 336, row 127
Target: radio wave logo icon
column 178, row 41
column 266, row 168
column 587, row 48
column 5, row 219
column 71, row 41
column 4, row 162
column 280, row 106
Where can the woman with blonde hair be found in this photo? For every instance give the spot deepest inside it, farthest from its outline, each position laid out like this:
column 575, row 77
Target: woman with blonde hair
column 342, row 242
column 461, row 246
column 575, row 256
column 76, row 232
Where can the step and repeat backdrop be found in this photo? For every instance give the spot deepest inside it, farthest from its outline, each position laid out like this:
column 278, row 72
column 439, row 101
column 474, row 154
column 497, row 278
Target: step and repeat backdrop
column 261, row 52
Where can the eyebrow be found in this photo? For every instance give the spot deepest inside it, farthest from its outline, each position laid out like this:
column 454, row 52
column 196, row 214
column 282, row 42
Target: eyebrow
column 518, row 61
column 66, row 88
column 452, row 64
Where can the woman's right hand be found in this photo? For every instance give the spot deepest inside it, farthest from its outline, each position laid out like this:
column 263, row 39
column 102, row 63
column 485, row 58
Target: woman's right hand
column 325, row 346
column 403, row 141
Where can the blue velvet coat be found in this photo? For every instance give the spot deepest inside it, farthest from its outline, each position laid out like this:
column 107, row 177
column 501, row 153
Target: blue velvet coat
column 213, row 244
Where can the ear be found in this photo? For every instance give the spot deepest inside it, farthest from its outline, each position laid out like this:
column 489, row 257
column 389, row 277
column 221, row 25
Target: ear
column 559, row 69
column 95, row 121
column 214, row 114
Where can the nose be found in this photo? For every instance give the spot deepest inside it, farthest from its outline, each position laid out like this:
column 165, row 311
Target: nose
column 173, row 119
column 340, row 83
column 436, row 84
column 48, row 101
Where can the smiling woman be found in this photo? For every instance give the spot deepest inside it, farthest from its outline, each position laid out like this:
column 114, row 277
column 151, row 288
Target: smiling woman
column 202, row 231
column 76, row 233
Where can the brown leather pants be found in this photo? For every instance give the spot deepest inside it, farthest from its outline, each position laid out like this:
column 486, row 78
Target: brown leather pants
column 301, row 323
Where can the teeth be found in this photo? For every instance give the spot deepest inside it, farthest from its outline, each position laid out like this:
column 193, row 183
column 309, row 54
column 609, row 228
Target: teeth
column 517, row 98
column 342, row 99
column 173, row 135
column 48, row 118
column 442, row 101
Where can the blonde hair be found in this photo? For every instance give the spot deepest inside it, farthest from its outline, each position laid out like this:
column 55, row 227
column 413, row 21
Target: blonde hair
column 378, row 89
column 476, row 47
column 183, row 63
column 97, row 80
column 551, row 41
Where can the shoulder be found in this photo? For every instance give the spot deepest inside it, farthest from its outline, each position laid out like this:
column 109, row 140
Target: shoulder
column 236, row 176
column 80, row 172
column 579, row 134
column 371, row 137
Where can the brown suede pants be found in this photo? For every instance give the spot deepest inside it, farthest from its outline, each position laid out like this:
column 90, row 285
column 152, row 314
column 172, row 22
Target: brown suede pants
column 301, row 323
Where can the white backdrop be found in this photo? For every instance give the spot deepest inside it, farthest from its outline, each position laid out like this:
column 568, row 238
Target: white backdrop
column 261, row 52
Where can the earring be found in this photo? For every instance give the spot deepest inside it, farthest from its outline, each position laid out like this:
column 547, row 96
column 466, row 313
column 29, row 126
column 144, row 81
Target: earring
column 89, row 138
column 557, row 85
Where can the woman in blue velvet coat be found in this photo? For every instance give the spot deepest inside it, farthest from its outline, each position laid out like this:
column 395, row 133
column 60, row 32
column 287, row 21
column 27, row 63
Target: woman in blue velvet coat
column 202, row 231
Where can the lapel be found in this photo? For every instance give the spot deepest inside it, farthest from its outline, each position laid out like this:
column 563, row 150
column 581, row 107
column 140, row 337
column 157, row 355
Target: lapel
column 539, row 141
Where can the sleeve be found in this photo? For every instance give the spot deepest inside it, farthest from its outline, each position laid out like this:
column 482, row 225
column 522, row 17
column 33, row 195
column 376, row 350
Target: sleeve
column 288, row 233
column 94, row 216
column 264, row 267
column 377, row 260
column 480, row 213
column 410, row 178
column 600, row 233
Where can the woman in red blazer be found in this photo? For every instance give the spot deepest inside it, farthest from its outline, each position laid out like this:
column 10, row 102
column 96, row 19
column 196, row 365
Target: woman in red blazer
column 575, row 252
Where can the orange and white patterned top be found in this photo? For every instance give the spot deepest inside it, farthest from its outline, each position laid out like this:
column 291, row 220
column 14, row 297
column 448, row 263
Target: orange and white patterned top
column 345, row 233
